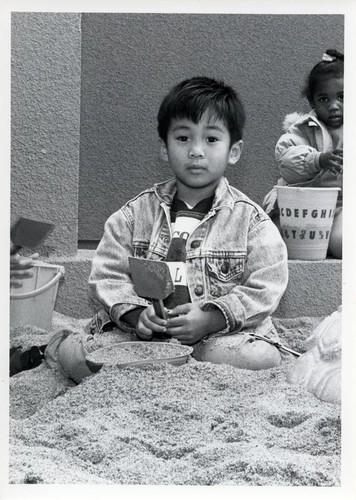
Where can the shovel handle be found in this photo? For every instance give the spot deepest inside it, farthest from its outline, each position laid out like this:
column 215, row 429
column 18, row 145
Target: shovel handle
column 161, row 313
column 159, row 308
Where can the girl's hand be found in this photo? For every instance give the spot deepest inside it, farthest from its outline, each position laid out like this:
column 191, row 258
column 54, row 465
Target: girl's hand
column 189, row 324
column 20, row 268
column 332, row 161
column 149, row 322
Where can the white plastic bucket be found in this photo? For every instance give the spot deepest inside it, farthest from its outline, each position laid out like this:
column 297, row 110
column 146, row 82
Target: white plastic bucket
column 306, row 217
column 33, row 303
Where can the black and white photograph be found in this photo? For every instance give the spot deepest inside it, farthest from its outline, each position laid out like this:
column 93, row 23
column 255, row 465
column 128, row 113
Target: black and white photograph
column 177, row 261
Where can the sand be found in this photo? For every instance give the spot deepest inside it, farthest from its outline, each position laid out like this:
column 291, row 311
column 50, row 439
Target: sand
column 126, row 353
column 195, row 424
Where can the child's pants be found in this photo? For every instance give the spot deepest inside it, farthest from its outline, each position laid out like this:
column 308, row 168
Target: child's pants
column 240, row 350
column 67, row 351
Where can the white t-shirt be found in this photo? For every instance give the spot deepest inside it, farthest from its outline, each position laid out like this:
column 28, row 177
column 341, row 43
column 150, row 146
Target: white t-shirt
column 184, row 220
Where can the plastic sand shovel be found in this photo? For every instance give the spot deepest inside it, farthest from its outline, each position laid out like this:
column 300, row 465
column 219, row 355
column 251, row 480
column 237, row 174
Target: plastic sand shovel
column 28, row 233
column 152, row 280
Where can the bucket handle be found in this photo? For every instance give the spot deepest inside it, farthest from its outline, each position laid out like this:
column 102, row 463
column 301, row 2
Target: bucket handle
column 42, row 289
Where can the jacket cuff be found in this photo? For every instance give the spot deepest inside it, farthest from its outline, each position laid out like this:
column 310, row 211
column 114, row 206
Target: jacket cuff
column 232, row 324
column 121, row 309
column 317, row 161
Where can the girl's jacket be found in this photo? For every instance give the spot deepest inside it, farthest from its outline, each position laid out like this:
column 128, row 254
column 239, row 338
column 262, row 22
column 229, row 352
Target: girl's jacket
column 236, row 259
column 297, row 153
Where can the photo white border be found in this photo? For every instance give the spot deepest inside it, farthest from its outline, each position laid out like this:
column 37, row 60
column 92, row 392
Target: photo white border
column 287, row 7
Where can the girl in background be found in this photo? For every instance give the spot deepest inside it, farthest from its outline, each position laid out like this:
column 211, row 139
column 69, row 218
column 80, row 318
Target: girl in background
column 310, row 151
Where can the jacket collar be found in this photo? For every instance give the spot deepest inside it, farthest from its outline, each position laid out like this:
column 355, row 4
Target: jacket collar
column 312, row 119
column 296, row 119
column 166, row 190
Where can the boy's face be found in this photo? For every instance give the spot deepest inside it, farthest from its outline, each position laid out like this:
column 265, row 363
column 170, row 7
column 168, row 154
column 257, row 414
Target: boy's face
column 199, row 153
column 328, row 101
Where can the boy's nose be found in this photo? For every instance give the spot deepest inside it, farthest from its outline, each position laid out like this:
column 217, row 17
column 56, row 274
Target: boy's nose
column 196, row 151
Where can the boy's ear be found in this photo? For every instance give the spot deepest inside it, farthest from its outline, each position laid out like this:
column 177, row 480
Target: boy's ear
column 164, row 151
column 235, row 152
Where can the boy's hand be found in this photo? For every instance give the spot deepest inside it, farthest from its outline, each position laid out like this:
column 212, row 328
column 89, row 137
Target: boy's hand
column 189, row 324
column 149, row 322
column 20, row 268
column 332, row 161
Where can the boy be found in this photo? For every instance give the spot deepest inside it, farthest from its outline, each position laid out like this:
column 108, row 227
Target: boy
column 235, row 268
column 228, row 257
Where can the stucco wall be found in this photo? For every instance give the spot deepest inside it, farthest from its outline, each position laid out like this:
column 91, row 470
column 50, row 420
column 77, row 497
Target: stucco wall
column 93, row 113
column 46, row 123
column 129, row 62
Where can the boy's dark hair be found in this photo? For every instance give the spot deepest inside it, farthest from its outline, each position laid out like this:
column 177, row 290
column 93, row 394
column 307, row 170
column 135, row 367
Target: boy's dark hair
column 191, row 98
column 332, row 65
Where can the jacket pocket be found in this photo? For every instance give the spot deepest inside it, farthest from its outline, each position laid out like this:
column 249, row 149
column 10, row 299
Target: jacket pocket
column 224, row 272
column 226, row 268
column 140, row 248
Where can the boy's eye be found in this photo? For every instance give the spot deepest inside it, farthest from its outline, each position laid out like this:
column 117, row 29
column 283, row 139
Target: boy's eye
column 323, row 99
column 341, row 97
column 182, row 138
column 212, row 139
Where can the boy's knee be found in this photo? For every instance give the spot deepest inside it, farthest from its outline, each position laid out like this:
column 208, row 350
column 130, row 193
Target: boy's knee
column 259, row 355
column 66, row 351
column 240, row 351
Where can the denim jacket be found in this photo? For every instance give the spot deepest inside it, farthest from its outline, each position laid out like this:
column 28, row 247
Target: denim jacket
column 236, row 258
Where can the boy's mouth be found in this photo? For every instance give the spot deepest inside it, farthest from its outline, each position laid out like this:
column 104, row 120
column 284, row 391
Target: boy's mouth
column 196, row 168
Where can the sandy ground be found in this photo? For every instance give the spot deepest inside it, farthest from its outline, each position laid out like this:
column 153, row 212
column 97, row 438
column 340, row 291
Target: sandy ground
column 197, row 424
